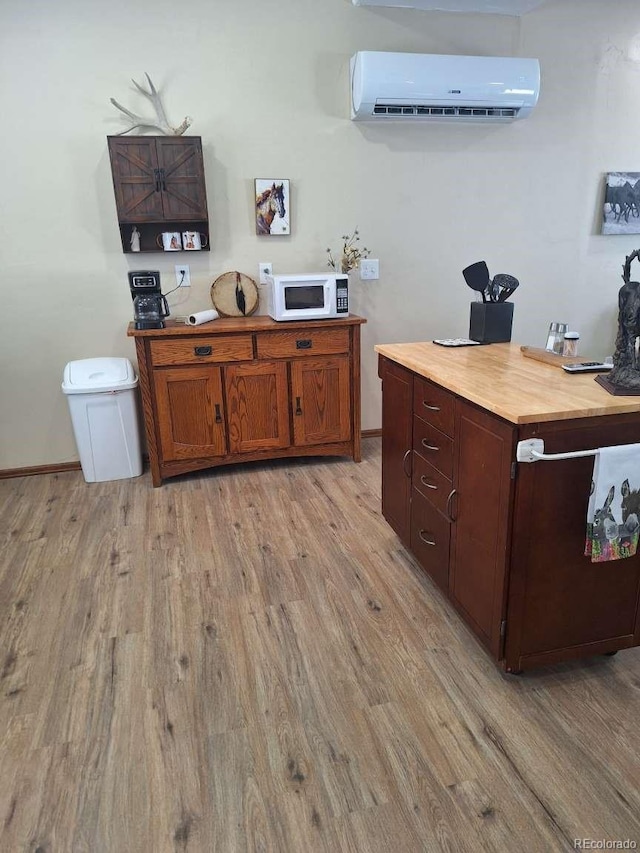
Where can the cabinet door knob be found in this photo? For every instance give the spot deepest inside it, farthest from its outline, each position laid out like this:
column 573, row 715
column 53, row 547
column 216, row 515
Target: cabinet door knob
column 448, row 509
column 431, row 408
column 304, row 343
column 426, row 541
column 426, row 483
column 202, row 350
column 164, row 180
column 156, row 175
column 218, row 415
column 298, row 408
column 426, row 444
column 404, row 459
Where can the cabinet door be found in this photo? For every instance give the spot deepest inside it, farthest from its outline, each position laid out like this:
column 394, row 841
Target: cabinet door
column 190, row 412
column 397, row 419
column 321, row 400
column 134, row 166
column 182, row 178
column 258, row 410
column 484, row 450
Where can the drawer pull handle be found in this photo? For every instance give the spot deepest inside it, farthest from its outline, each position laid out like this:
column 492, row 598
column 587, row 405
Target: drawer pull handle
column 404, row 459
column 424, row 538
column 431, row 408
column 426, row 444
column 202, row 350
column 452, row 520
column 426, row 483
column 304, row 343
column 218, row 415
column 298, row 407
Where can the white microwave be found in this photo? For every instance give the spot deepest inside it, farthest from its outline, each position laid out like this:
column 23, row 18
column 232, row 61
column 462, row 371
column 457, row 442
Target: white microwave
column 307, row 297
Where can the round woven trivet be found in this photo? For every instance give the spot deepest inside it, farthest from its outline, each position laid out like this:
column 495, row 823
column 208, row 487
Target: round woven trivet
column 228, row 292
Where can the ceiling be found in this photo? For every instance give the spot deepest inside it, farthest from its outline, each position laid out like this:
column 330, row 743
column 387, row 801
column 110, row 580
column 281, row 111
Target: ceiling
column 496, row 7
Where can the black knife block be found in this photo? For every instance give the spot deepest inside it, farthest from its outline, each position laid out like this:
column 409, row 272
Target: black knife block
column 491, row 322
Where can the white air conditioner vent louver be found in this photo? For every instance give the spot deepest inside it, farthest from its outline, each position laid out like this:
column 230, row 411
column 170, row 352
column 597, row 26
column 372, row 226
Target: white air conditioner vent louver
column 395, row 110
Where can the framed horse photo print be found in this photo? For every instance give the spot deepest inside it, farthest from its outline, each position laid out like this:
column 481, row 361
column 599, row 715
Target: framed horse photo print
column 621, row 208
column 273, row 207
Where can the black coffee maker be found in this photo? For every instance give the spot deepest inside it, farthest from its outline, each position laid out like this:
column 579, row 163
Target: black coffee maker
column 149, row 305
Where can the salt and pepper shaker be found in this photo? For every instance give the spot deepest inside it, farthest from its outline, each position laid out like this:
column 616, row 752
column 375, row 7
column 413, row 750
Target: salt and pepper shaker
column 570, row 343
column 551, row 336
column 555, row 337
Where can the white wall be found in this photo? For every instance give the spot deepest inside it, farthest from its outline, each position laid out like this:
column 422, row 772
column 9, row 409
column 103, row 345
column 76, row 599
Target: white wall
column 266, row 83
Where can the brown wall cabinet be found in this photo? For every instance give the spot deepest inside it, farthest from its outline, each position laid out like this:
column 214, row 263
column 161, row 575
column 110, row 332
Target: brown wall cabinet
column 246, row 389
column 159, row 186
column 505, row 541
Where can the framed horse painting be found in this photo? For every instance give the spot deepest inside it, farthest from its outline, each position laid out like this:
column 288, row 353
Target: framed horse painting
column 621, row 209
column 273, row 207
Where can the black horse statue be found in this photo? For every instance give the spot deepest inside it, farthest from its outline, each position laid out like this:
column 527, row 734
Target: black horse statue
column 626, row 368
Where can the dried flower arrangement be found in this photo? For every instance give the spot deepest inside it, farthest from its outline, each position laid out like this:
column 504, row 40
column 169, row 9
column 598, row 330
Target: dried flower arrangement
column 351, row 254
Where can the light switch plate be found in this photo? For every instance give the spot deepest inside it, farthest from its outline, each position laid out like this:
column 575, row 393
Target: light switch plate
column 369, row 269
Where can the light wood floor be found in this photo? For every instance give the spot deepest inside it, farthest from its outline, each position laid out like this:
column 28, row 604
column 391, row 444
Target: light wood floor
column 247, row 659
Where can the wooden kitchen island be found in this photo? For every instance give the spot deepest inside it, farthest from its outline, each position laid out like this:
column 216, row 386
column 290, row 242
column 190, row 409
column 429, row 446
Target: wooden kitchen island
column 503, row 539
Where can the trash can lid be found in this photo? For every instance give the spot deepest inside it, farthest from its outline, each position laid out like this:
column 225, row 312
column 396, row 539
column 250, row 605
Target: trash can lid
column 92, row 375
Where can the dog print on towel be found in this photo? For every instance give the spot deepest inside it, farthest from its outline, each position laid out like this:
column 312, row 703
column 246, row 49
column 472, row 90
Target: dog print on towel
column 611, row 539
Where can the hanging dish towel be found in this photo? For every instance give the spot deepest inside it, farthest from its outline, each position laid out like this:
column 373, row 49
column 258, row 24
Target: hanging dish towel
column 613, row 515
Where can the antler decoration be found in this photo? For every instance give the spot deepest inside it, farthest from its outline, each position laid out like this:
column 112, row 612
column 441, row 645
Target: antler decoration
column 160, row 122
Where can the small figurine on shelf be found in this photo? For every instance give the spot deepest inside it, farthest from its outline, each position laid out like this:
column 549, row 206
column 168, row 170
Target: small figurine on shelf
column 135, row 240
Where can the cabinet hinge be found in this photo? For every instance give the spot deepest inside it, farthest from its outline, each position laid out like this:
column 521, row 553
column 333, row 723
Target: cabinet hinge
column 514, row 468
column 503, row 628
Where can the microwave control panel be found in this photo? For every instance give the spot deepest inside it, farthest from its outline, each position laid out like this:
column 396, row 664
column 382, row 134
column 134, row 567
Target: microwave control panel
column 342, row 295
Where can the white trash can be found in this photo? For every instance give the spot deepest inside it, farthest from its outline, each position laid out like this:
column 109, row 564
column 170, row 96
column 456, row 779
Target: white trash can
column 102, row 401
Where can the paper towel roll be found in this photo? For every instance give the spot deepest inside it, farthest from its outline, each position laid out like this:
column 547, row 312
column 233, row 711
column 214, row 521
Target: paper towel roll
column 201, row 317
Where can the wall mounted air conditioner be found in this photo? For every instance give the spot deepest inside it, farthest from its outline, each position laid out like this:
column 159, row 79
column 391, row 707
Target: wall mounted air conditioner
column 432, row 87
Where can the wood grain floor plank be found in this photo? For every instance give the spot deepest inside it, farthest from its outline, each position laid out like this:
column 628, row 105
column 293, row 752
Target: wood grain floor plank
column 248, row 659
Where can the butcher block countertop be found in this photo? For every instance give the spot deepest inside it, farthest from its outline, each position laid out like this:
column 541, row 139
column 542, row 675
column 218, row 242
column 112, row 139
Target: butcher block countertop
column 500, row 379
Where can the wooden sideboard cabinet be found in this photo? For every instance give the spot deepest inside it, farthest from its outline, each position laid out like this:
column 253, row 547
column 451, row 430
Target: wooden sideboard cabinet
column 159, row 186
column 505, row 540
column 249, row 388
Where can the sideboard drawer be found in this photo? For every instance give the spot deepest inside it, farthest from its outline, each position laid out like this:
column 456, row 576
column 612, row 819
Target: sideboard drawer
column 203, row 350
column 303, row 342
column 433, row 404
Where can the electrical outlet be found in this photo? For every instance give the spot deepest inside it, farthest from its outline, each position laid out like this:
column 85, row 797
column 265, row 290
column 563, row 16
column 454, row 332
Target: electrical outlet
column 369, row 269
column 183, row 276
column 265, row 269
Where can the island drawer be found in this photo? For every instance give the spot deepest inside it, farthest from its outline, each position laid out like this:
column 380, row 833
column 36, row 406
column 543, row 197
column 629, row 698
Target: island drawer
column 433, row 485
column 430, row 535
column 433, row 404
column 433, row 445
column 287, row 344
column 202, row 350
